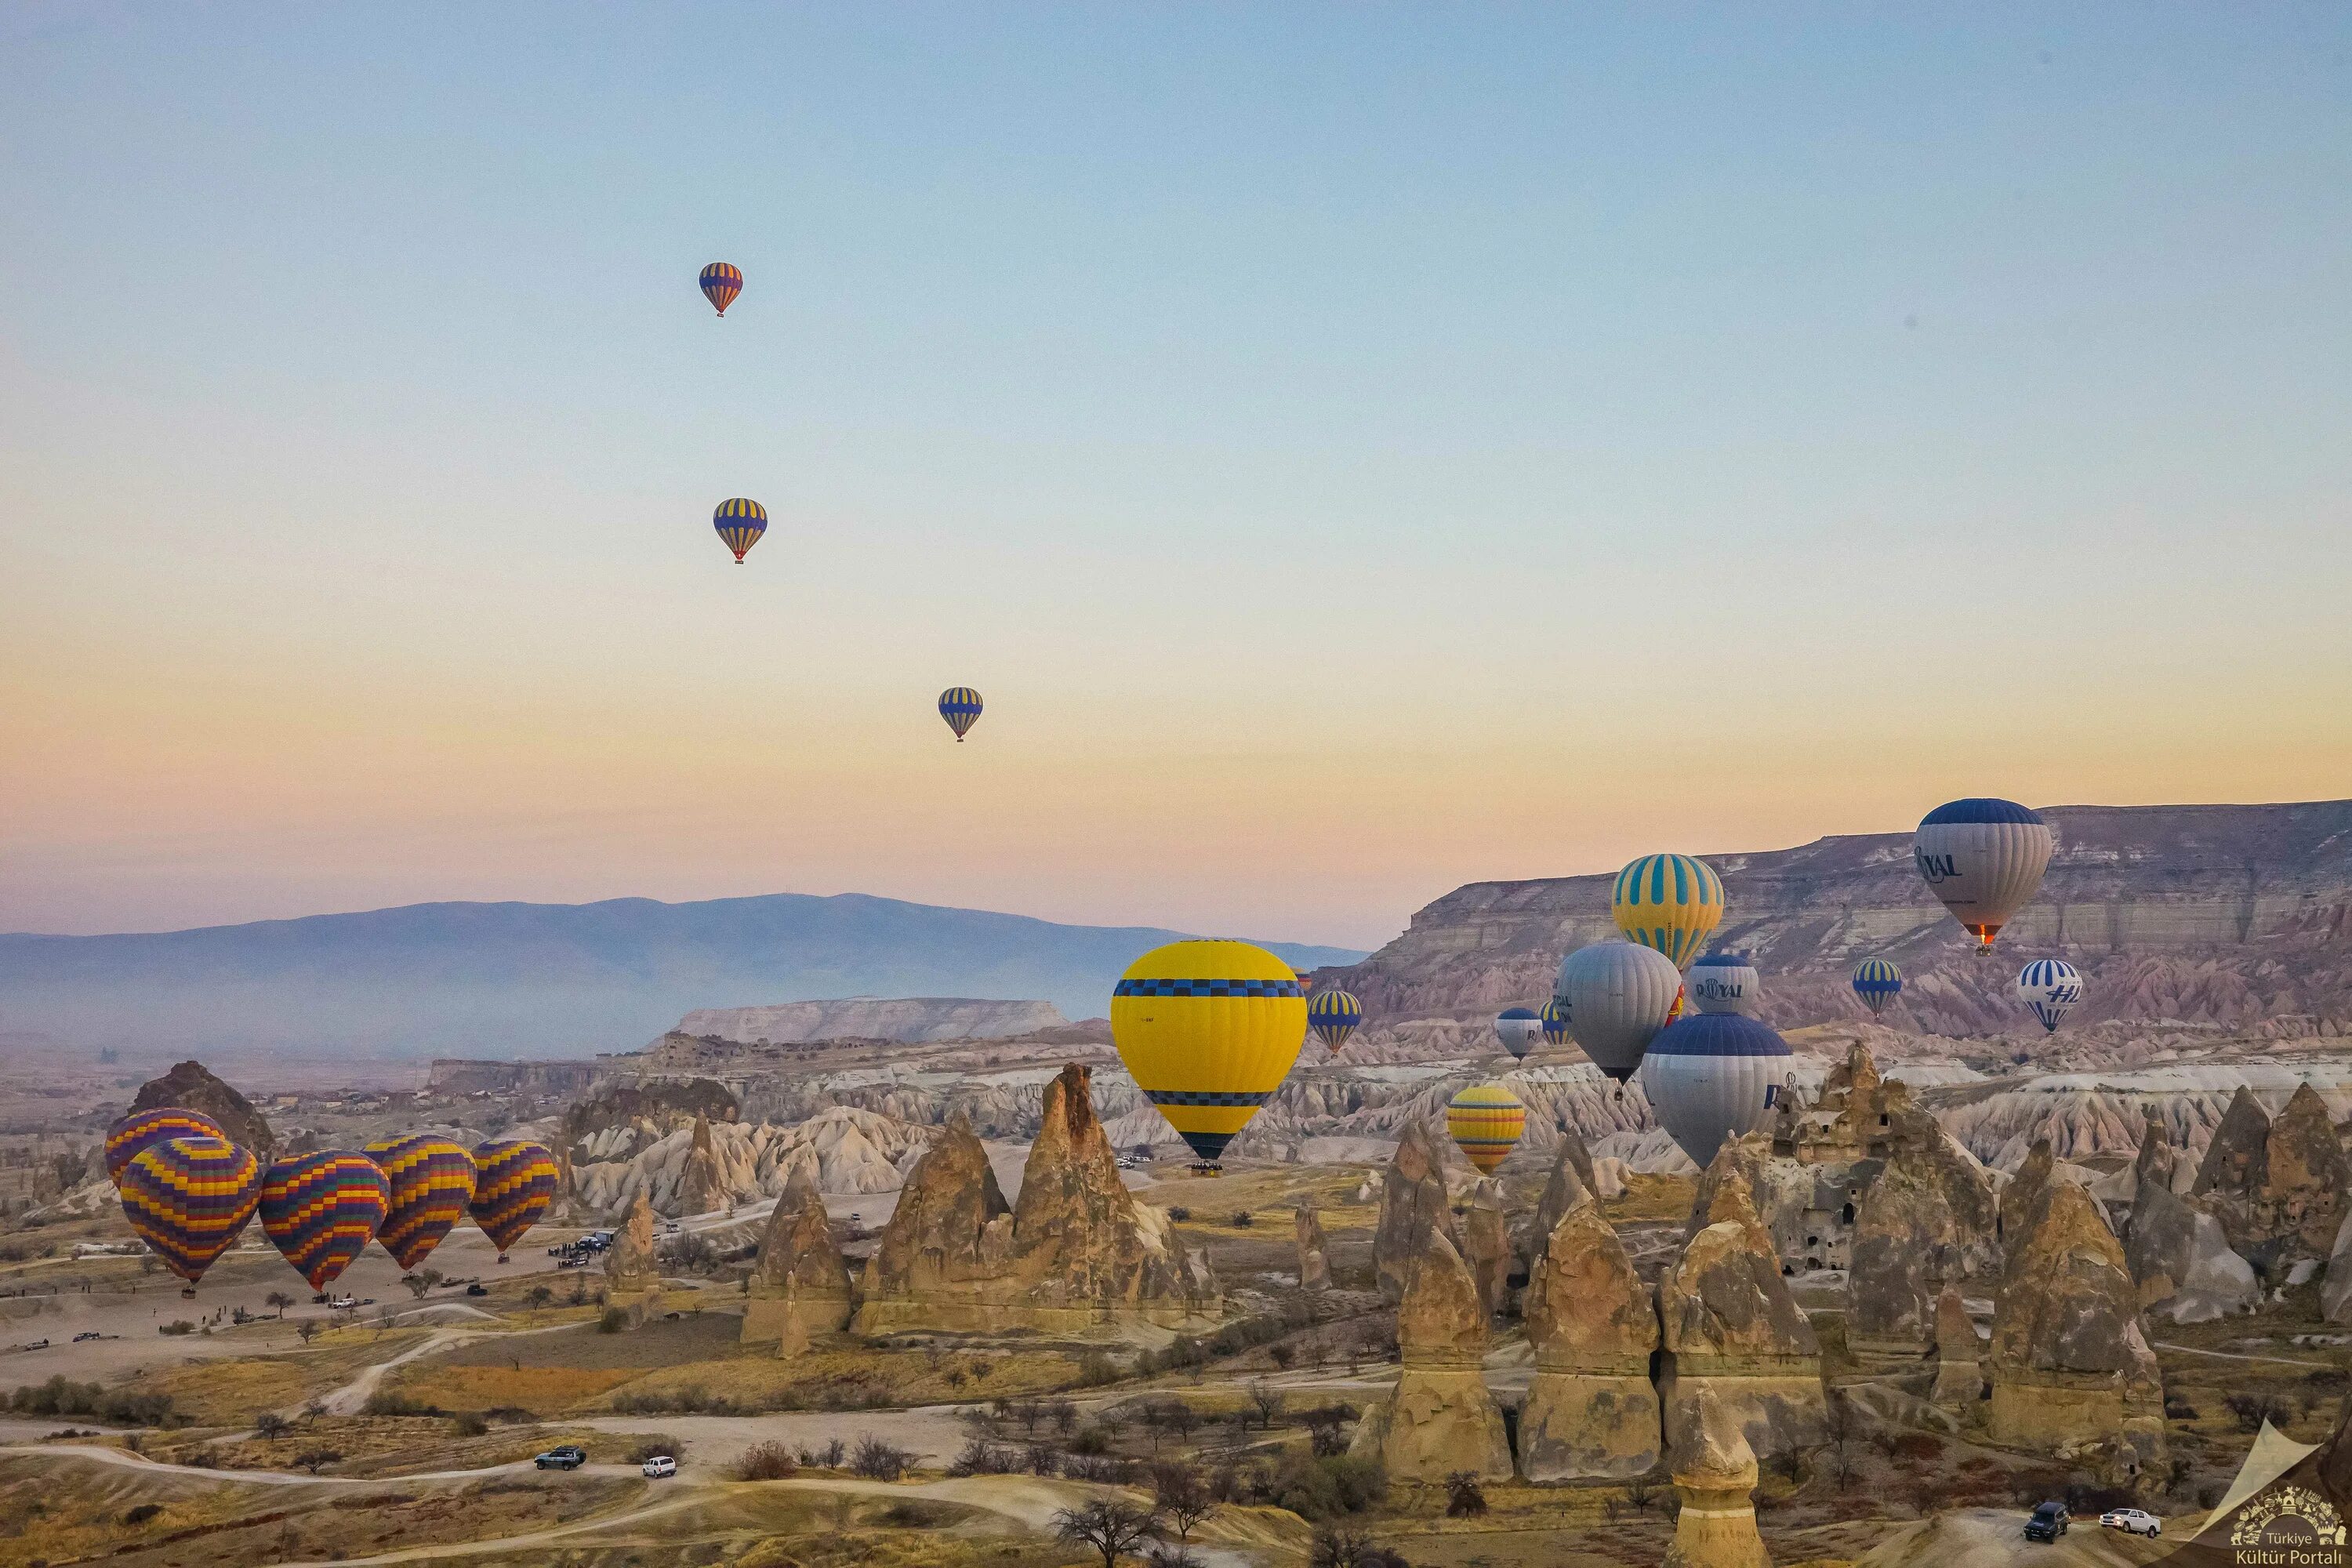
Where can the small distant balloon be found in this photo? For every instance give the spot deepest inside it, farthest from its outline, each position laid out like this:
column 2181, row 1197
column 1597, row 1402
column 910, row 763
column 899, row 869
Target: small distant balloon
column 2050, row 986
column 1518, row 1028
column 1486, row 1119
column 722, row 281
column 1725, row 982
column 739, row 523
column 960, row 706
column 1878, row 983
column 1333, row 1015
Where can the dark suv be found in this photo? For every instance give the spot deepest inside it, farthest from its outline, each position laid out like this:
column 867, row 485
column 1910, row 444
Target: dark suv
column 2049, row 1521
column 570, row 1457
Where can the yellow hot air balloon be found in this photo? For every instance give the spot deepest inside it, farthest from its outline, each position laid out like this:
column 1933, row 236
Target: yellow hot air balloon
column 1486, row 1119
column 1209, row 1029
column 1669, row 902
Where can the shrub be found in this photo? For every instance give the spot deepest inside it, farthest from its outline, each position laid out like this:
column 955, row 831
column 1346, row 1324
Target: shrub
column 269, row 1424
column 61, row 1395
column 1095, row 1369
column 1323, row 1427
column 1321, row 1488
column 177, row 1326
column 765, row 1462
column 1179, row 1213
column 612, row 1320
column 1464, row 1496
column 141, row 1513
column 1350, row 1549
column 983, row 1457
column 1243, row 1219
column 468, row 1424
column 392, row 1402
column 1916, row 1446
column 2250, row 1410
column 316, row 1459
column 879, row 1461
column 659, row 1448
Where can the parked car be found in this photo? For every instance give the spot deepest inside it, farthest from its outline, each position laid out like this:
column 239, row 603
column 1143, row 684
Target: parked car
column 2132, row 1522
column 570, row 1457
column 342, row 1304
column 661, row 1465
column 2049, row 1521
column 478, row 1288
column 87, row 1334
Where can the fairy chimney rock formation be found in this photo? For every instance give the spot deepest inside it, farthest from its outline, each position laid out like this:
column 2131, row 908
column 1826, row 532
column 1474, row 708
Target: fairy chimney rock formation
column 1487, row 1242
column 1714, row 1475
column 1076, row 1250
column 1960, row 1354
column 2024, row 1192
column 1591, row 1411
column 1908, row 1243
column 2072, row 1370
column 632, row 1274
column 1730, row 1325
column 1440, row 1418
column 1572, row 1180
column 2278, row 1187
column 1314, row 1256
column 799, row 1286
column 1412, row 1204
column 702, row 1186
column 2181, row 1260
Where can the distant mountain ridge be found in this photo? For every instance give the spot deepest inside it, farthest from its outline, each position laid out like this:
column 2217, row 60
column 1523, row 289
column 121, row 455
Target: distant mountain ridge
column 2238, row 917
column 516, row 979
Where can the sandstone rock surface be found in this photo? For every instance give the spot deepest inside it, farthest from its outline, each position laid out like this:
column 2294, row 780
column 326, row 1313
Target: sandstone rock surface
column 1730, row 1324
column 1591, row 1411
column 2180, row 1257
column 1715, row 1473
column 800, row 1285
column 191, row 1086
column 1314, row 1256
column 1440, row 1418
column 1960, row 1354
column 1413, row 1203
column 1486, row 1243
column 2335, row 1290
column 632, row 1279
column 908, row 1020
column 844, row 1150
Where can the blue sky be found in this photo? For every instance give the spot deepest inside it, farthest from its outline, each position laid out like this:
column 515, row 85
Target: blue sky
column 1355, row 450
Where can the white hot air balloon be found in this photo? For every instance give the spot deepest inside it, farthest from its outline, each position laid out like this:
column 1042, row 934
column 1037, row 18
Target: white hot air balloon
column 1713, row 1076
column 1984, row 859
column 1724, row 983
column 1518, row 1028
column 1617, row 994
column 2050, row 986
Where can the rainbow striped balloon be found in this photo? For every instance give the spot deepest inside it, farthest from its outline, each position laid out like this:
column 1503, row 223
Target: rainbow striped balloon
column 141, row 1128
column 1669, row 902
column 514, row 1186
column 722, row 281
column 188, row 1198
column 432, row 1182
column 320, row 1210
column 1486, row 1119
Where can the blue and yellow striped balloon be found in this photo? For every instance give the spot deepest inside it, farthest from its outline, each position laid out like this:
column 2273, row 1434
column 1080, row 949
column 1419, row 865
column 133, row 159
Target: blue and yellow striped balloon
column 188, row 1198
column 1669, row 903
column 320, row 1210
column 1209, row 1030
column 722, row 281
column 1486, row 1119
column 1554, row 1020
column 141, row 1128
column 432, row 1185
column 960, row 706
column 514, row 1186
column 739, row 522
column 1878, row 983
column 1333, row 1015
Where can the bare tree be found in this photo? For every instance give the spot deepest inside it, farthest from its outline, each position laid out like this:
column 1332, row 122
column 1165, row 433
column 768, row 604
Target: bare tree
column 279, row 1299
column 307, row 1330
column 1111, row 1526
column 1268, row 1400
column 1183, row 1496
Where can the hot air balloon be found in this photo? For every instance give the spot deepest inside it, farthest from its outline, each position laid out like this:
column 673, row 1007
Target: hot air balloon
column 1617, row 994
column 1554, row 1018
column 188, row 1198
column 514, row 1186
column 141, row 1128
column 1669, row 902
column 320, row 1210
column 1984, row 858
column 1486, row 1119
column 722, row 281
column 960, row 706
column 1333, row 1015
column 1713, row 1076
column 1208, row 1030
column 739, row 522
column 2050, row 986
column 1725, row 982
column 1518, row 1028
column 432, row 1184
column 1878, row 983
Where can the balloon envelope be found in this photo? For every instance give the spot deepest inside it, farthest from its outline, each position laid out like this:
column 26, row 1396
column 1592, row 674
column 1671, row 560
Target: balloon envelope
column 1618, row 994
column 1554, row 1018
column 722, row 281
column 432, row 1184
column 960, row 706
column 1486, row 1120
column 1983, row 859
column 2050, row 986
column 321, row 1209
column 1725, row 982
column 1713, row 1076
column 1518, row 1028
column 515, row 1183
column 739, row 522
column 141, row 1128
column 1878, row 983
column 1333, row 1015
column 188, row 1198
column 1209, row 1030
column 1669, row 902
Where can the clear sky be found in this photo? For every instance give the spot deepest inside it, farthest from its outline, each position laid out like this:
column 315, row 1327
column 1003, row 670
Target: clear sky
column 1355, row 450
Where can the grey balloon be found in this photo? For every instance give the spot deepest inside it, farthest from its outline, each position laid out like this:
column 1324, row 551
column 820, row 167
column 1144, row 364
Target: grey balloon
column 1617, row 994
column 1712, row 1076
column 1724, row 983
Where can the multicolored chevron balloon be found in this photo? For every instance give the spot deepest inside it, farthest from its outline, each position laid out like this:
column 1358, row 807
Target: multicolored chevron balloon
column 188, row 1198
column 515, row 1185
column 141, row 1128
column 432, row 1182
column 320, row 1210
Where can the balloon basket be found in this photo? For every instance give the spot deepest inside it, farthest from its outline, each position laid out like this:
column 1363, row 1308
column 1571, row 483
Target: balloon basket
column 1208, row 1168
column 189, row 1291
column 502, row 1257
